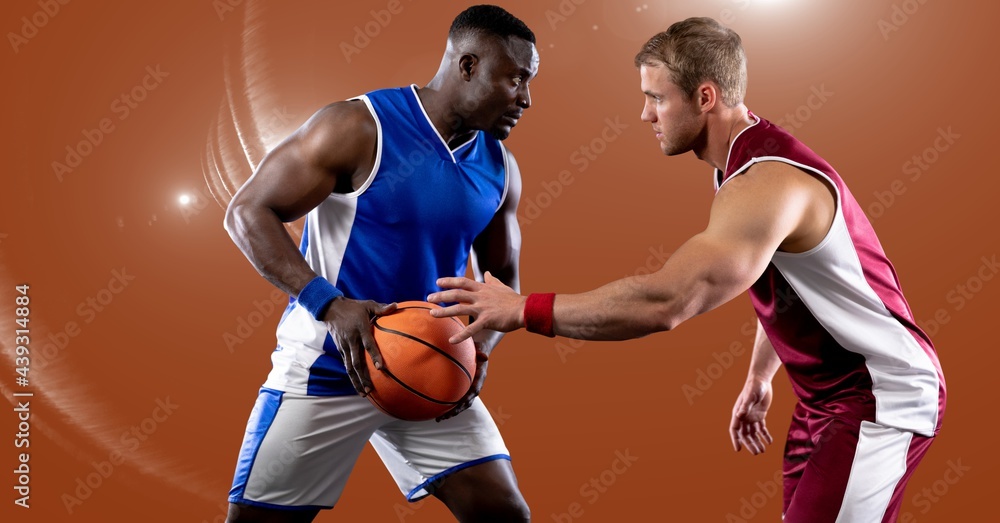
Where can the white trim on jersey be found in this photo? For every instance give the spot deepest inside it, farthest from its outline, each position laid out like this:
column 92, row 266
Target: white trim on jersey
column 299, row 334
column 506, row 175
column 879, row 464
column 467, row 142
column 378, row 151
column 413, row 88
column 842, row 300
column 715, row 178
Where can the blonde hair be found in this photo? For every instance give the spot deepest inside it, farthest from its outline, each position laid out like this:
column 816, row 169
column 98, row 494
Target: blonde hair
column 700, row 49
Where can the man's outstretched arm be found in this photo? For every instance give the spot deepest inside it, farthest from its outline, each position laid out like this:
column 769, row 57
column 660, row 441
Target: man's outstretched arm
column 751, row 217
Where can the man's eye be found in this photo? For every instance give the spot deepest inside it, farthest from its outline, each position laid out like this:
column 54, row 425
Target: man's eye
column 517, row 80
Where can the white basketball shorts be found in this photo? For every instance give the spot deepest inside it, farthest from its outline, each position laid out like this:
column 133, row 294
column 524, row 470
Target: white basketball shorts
column 298, row 450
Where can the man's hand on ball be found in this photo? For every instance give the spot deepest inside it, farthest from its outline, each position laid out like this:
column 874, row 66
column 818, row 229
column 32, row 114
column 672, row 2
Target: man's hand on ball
column 494, row 305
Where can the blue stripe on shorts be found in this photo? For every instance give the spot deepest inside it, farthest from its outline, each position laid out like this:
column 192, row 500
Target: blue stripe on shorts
column 260, row 422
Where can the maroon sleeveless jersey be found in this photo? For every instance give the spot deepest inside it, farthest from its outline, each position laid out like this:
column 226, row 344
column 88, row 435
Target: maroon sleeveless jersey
column 836, row 314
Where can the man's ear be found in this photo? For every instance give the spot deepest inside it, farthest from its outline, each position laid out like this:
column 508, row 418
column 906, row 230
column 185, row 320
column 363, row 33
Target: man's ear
column 707, row 96
column 467, row 65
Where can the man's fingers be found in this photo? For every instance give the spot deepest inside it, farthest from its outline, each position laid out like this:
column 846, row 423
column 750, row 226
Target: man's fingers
column 372, row 348
column 745, row 442
column 451, row 296
column 766, row 433
column 750, row 440
column 451, row 413
column 734, row 436
column 381, row 309
column 347, row 355
column 748, row 443
column 458, row 309
column 360, row 365
column 465, row 333
column 462, row 406
column 762, row 434
column 458, row 283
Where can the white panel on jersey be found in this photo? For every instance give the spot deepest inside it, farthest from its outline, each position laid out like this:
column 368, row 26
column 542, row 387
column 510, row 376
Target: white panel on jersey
column 298, row 338
column 879, row 464
column 831, row 283
column 328, row 229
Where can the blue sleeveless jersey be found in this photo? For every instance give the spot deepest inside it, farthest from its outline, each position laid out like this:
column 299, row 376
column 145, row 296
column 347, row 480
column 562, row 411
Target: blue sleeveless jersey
column 413, row 221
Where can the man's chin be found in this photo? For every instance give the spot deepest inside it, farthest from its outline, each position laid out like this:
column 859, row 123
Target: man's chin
column 500, row 133
column 673, row 150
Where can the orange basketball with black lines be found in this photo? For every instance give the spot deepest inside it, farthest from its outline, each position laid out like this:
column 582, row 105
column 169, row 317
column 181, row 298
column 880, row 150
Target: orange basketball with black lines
column 422, row 375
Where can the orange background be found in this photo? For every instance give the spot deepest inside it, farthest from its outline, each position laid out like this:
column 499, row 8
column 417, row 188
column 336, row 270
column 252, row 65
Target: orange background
column 889, row 89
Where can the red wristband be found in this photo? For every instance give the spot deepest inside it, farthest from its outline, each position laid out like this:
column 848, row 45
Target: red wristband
column 538, row 313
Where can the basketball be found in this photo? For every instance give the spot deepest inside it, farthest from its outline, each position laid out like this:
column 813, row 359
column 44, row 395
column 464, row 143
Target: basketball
column 422, row 375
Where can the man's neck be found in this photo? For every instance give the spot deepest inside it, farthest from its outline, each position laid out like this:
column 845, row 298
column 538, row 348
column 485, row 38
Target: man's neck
column 722, row 134
column 442, row 116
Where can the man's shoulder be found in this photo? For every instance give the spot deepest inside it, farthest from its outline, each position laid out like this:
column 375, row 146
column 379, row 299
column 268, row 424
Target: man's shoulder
column 351, row 113
column 349, row 119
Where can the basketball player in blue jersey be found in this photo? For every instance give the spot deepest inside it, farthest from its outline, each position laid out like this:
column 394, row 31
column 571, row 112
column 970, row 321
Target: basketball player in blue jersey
column 785, row 227
column 397, row 187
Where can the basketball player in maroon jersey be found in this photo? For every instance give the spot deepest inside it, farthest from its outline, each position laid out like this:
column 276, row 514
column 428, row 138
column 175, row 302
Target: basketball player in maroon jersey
column 784, row 227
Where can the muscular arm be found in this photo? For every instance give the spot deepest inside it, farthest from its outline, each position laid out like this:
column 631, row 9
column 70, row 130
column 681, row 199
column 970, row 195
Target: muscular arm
column 772, row 206
column 293, row 179
column 748, row 425
column 751, row 217
column 764, row 361
column 327, row 152
column 495, row 255
column 498, row 248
